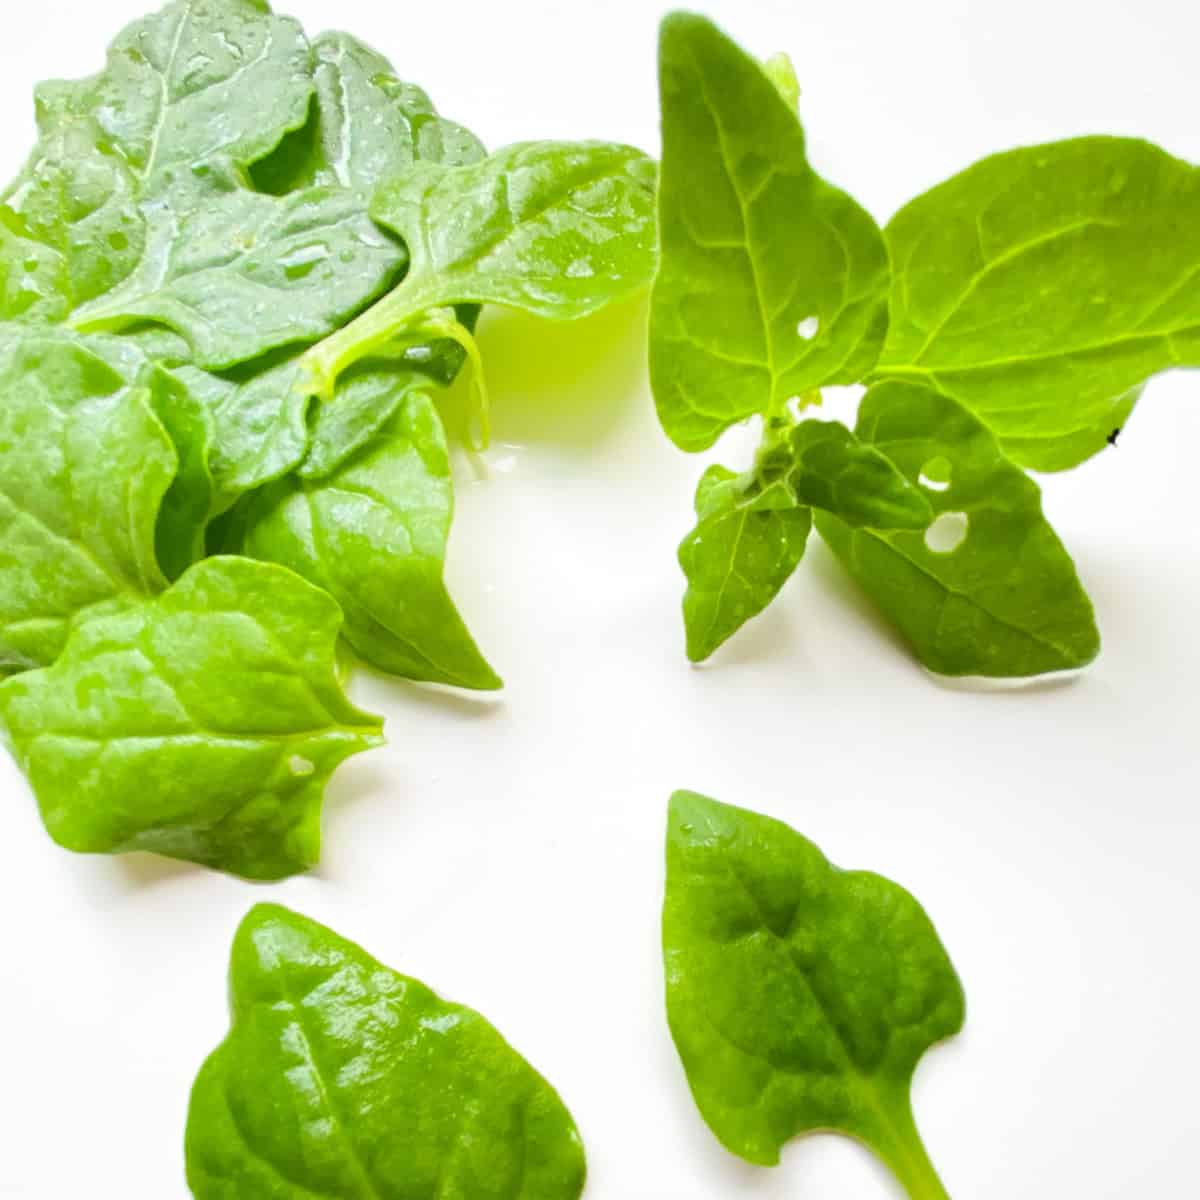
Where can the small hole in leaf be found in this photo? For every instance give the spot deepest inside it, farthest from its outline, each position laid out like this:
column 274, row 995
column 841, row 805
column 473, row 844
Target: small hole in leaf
column 947, row 532
column 807, row 328
column 935, row 474
column 300, row 766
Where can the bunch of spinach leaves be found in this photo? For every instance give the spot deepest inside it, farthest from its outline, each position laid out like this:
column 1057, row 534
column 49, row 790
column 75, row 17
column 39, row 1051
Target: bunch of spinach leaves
column 1006, row 320
column 233, row 273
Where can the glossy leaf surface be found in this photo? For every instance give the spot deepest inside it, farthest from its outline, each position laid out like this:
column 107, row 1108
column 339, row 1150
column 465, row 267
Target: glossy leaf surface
column 800, row 996
column 342, row 1078
column 1006, row 601
column 84, row 466
column 201, row 725
column 771, row 282
column 373, row 533
column 1042, row 287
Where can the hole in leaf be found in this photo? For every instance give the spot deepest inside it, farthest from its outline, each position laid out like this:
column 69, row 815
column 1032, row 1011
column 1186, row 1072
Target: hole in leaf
column 935, row 474
column 807, row 328
column 947, row 532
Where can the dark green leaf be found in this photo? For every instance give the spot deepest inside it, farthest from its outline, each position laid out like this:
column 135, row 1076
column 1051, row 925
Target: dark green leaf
column 1006, row 601
column 340, row 1078
column 201, row 725
column 772, row 282
column 801, row 997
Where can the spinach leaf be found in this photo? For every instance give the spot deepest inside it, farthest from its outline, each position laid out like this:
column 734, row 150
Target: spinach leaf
column 834, row 471
column 247, row 273
column 1002, row 600
column 367, row 127
column 559, row 229
column 193, row 93
column 747, row 542
column 1042, row 287
column 800, row 997
column 340, row 1077
column 772, row 282
column 84, row 467
column 372, row 532
column 201, row 724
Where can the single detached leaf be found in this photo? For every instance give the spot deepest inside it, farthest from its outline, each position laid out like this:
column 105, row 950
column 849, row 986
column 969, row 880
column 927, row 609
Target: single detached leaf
column 832, row 470
column 1002, row 597
column 368, row 126
column 194, row 91
column 201, row 725
column 772, row 282
column 1042, row 287
column 341, row 1078
column 84, row 466
column 747, row 542
column 801, row 997
column 248, row 273
column 373, row 534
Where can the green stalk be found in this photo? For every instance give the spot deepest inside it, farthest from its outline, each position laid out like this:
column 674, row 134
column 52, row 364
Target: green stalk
column 899, row 1145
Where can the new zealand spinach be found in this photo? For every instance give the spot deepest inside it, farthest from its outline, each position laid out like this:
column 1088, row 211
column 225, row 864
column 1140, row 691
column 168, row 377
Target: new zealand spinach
column 341, row 1078
column 801, row 997
column 233, row 274
column 1008, row 318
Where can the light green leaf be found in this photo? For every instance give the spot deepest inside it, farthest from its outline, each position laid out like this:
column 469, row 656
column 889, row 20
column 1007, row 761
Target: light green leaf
column 248, row 273
column 559, row 229
column 772, row 282
column 801, row 997
column 84, row 467
column 201, row 725
column 1042, row 287
column 746, row 544
column 34, row 285
column 832, row 470
column 188, row 503
column 1006, row 601
column 368, row 126
column 373, row 533
column 340, row 1078
column 194, row 92
column 78, row 198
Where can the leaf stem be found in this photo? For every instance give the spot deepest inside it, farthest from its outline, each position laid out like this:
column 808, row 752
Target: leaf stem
column 899, row 1145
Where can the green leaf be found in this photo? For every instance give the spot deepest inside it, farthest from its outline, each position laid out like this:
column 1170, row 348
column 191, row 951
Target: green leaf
column 247, row 273
column 373, row 533
column 78, row 198
column 194, row 92
column 832, row 470
column 1006, row 601
column 368, row 126
column 201, row 725
column 341, row 1078
column 1042, row 287
column 746, row 544
column 84, row 466
column 772, row 282
column 187, row 504
column 800, row 996
column 34, row 285
column 559, row 229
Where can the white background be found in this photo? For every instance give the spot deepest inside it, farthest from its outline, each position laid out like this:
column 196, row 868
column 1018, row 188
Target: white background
column 509, row 851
